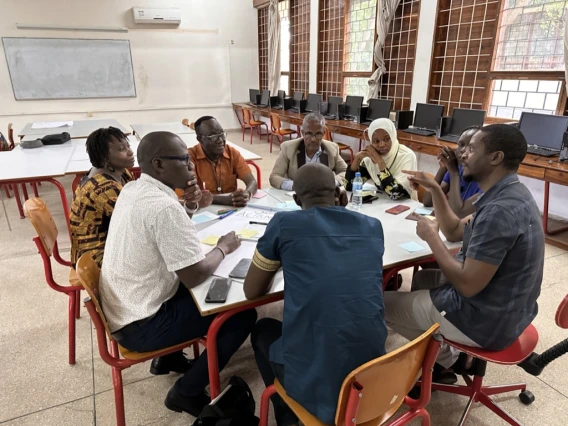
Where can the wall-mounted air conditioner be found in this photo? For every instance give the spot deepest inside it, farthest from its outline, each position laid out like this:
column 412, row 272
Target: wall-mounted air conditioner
column 143, row 15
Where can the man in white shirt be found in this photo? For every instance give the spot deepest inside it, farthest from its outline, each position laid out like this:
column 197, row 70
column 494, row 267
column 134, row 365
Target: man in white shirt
column 152, row 257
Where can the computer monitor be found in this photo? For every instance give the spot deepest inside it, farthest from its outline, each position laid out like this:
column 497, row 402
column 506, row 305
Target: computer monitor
column 545, row 131
column 265, row 98
column 378, row 108
column 252, row 95
column 427, row 116
column 334, row 102
column 298, row 96
column 281, row 94
column 464, row 118
column 312, row 105
column 353, row 105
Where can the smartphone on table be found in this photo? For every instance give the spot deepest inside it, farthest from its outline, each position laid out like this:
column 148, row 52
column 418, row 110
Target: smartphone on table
column 397, row 209
column 240, row 271
column 218, row 290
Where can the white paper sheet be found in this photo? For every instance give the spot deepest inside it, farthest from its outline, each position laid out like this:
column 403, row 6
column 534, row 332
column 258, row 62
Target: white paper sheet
column 51, row 124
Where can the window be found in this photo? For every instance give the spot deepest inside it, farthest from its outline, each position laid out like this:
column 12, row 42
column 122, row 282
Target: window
column 263, row 48
column 399, row 54
column 300, row 46
column 528, row 61
column 359, row 45
column 284, row 13
column 463, row 49
column 330, row 52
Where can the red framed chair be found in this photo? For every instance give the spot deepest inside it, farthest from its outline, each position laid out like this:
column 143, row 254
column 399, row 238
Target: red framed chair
column 276, row 129
column 110, row 351
column 46, row 243
column 474, row 389
column 373, row 393
column 342, row 147
column 250, row 123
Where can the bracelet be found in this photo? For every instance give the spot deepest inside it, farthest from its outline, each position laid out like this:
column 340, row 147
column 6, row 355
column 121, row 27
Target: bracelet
column 221, row 250
column 188, row 210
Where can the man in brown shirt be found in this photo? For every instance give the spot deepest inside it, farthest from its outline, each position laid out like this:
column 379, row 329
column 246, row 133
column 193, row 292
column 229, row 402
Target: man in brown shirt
column 218, row 166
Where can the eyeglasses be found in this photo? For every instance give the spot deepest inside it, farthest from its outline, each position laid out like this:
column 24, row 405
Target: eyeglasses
column 216, row 138
column 309, row 135
column 184, row 158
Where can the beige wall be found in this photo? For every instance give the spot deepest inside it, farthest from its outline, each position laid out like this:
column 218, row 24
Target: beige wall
column 179, row 72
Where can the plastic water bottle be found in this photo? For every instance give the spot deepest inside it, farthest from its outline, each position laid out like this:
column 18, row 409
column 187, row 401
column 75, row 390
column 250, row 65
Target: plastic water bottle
column 357, row 196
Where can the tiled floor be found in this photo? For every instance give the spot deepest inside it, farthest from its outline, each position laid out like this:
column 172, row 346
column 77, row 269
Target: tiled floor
column 38, row 387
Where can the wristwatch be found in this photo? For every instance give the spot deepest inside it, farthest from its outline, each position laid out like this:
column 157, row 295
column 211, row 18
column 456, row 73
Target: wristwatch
column 188, row 210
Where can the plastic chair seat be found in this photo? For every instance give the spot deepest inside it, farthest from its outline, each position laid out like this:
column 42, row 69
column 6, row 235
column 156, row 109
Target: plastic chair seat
column 142, row 356
column 305, row 417
column 514, row 354
column 343, row 146
column 256, row 122
column 285, row 132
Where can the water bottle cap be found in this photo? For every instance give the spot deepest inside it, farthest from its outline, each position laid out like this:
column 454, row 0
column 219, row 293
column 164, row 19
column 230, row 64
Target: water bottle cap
column 358, row 174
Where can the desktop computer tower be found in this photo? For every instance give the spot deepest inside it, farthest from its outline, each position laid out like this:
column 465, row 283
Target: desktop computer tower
column 564, row 149
column 258, row 98
column 403, row 119
column 287, row 104
column 444, row 127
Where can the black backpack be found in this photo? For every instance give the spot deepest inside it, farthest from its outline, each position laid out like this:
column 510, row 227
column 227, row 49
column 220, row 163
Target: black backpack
column 235, row 407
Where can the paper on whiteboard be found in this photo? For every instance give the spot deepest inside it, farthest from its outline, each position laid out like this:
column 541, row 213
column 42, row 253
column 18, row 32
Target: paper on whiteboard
column 51, row 124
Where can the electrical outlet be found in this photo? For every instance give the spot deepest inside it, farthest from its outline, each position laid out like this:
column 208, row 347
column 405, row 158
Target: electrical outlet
column 90, row 114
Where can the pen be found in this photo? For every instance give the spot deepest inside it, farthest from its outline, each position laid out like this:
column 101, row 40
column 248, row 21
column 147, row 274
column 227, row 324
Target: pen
column 223, row 216
column 252, row 222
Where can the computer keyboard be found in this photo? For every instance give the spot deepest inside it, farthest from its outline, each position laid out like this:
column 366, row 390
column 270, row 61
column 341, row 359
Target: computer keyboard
column 543, row 152
column 331, row 117
column 450, row 138
column 419, row 132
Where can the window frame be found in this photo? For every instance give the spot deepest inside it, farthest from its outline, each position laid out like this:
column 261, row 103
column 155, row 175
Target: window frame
column 561, row 107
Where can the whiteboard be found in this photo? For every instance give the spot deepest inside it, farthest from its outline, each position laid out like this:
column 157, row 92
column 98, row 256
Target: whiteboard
column 60, row 68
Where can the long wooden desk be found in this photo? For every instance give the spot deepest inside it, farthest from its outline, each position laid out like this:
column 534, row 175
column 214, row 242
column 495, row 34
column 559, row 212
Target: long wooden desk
column 534, row 166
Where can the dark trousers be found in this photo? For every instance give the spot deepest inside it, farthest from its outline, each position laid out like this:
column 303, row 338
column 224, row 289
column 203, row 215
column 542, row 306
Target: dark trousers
column 266, row 332
column 178, row 321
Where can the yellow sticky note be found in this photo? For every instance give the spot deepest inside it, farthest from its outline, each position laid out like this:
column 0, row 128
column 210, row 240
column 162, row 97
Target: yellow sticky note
column 430, row 217
column 247, row 233
column 211, row 240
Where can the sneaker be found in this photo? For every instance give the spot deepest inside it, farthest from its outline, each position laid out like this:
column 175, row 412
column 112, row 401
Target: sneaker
column 176, row 362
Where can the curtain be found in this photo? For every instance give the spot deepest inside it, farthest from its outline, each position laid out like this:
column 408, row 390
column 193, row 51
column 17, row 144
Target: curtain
column 273, row 48
column 566, row 49
column 385, row 14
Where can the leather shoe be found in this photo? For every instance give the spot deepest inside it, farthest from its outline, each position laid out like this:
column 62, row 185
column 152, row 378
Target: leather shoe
column 175, row 402
column 176, row 362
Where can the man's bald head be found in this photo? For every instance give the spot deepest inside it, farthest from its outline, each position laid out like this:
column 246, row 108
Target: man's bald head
column 314, row 185
column 158, row 144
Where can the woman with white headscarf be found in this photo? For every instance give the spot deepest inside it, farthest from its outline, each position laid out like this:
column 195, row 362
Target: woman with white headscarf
column 383, row 161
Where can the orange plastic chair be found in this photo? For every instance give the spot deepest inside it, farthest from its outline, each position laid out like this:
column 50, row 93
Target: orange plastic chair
column 88, row 274
column 276, row 128
column 186, row 122
column 372, row 393
column 250, row 123
column 46, row 242
column 342, row 147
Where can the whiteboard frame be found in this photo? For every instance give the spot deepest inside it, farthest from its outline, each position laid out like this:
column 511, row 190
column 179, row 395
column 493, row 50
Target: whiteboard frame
column 71, row 98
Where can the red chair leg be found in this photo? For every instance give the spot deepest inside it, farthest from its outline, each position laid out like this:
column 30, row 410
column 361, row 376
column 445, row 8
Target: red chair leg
column 18, row 201
column 78, row 304
column 34, row 187
column 72, row 309
column 251, row 130
column 496, row 390
column 243, row 132
column 195, row 350
column 7, row 191
column 118, row 396
column 271, row 136
column 265, row 404
column 25, row 192
column 489, row 403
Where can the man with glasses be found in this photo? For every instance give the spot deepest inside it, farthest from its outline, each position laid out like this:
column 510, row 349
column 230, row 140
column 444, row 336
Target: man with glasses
column 218, row 165
column 152, row 258
column 309, row 149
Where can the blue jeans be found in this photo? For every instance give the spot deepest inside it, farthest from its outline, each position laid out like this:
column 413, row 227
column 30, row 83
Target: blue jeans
column 178, row 321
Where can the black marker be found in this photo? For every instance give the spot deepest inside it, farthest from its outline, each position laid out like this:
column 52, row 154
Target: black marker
column 257, row 223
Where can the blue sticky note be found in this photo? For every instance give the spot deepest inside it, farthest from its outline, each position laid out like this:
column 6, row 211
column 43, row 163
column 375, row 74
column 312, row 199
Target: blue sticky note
column 201, row 218
column 411, row 247
column 424, row 212
column 289, row 205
